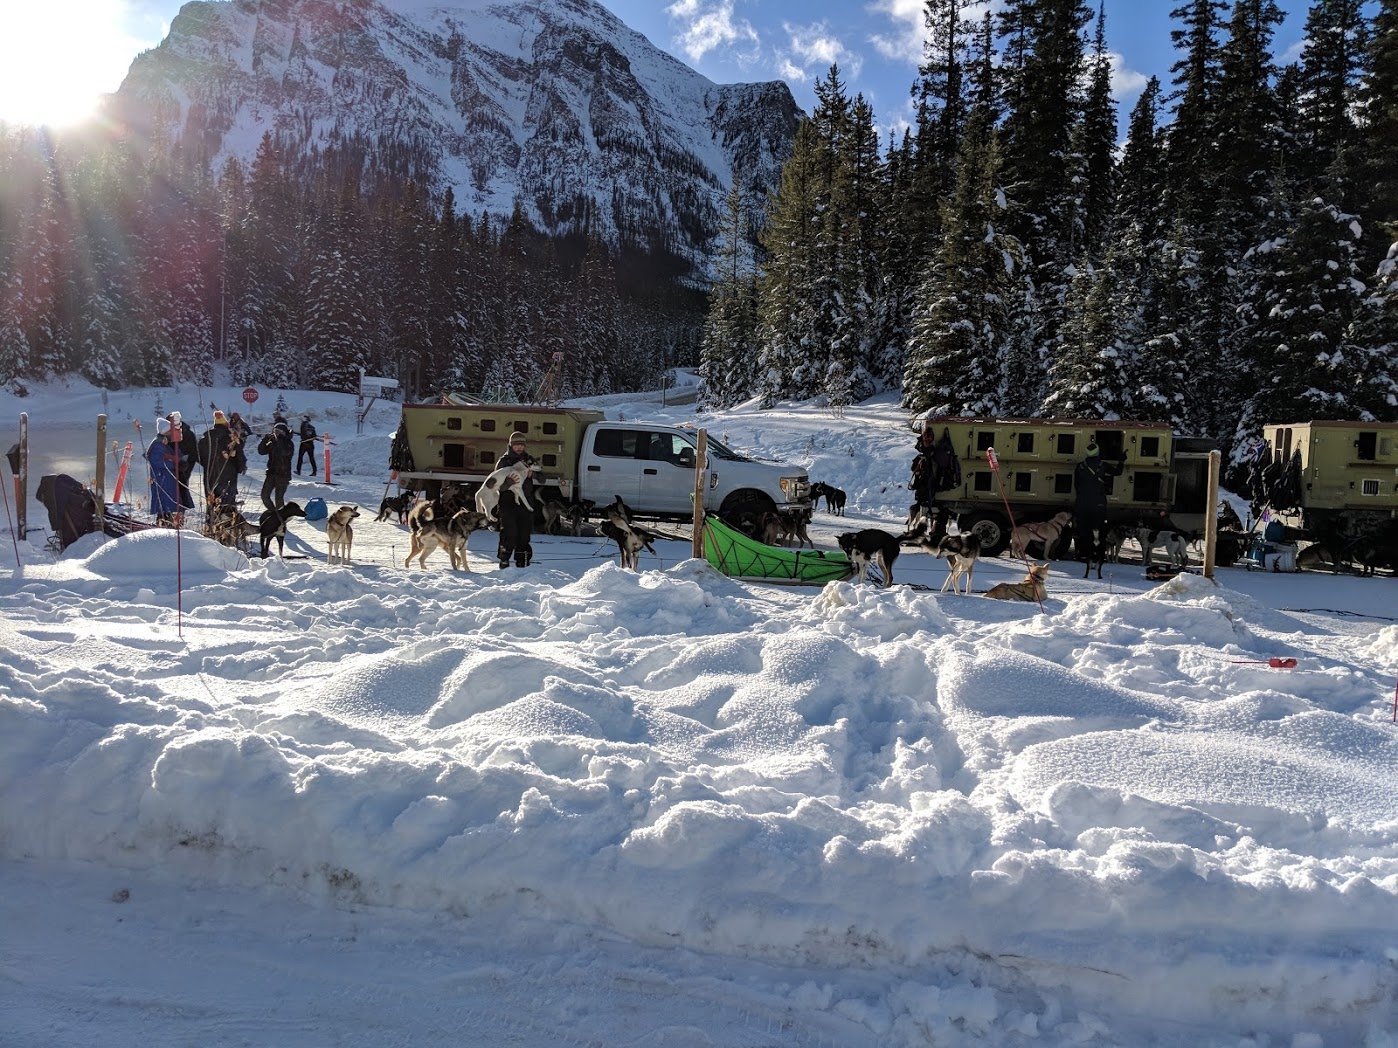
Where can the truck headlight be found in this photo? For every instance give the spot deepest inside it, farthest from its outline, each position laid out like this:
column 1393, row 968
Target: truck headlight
column 795, row 488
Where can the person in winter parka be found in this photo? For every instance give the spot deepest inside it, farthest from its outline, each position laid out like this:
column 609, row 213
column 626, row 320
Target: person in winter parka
column 1090, row 498
column 164, row 461
column 278, row 447
column 308, row 445
column 223, row 458
column 182, row 436
column 516, row 521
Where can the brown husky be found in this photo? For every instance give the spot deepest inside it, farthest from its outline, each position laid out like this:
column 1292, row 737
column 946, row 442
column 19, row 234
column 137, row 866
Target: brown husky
column 1032, row 588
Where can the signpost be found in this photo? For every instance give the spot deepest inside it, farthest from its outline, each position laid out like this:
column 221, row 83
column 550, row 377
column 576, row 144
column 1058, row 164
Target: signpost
column 250, row 395
column 373, row 387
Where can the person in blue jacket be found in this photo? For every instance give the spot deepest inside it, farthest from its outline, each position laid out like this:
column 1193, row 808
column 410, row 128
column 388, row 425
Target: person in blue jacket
column 164, row 459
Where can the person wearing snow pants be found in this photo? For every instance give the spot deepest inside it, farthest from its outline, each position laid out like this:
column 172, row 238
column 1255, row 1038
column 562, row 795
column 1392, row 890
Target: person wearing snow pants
column 278, row 448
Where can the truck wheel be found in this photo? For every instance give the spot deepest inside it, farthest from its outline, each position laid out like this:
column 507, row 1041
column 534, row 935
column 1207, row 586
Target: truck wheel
column 990, row 528
column 744, row 509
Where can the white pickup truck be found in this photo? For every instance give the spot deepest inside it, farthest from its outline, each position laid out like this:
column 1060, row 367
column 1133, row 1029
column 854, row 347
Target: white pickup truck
column 582, row 456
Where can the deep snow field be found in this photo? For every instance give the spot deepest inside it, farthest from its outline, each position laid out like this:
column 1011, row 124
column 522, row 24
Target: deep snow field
column 300, row 804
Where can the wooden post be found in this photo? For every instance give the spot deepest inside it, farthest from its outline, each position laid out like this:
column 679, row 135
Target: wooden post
column 1211, row 514
column 701, row 473
column 100, row 484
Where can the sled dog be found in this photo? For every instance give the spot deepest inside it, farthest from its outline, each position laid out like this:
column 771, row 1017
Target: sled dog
column 1030, row 588
column 272, row 525
column 339, row 534
column 488, row 494
column 870, row 546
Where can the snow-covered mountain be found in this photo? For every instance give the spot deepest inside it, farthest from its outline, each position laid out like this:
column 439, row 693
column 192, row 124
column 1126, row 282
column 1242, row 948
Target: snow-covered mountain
column 555, row 104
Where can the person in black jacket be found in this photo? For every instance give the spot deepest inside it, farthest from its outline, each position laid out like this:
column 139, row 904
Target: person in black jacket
column 279, row 449
column 308, row 445
column 1090, row 499
column 223, row 458
column 182, row 436
column 516, row 521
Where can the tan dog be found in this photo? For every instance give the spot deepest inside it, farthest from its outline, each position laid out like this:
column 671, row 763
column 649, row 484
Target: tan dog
column 1032, row 588
column 488, row 494
column 1045, row 531
column 340, row 533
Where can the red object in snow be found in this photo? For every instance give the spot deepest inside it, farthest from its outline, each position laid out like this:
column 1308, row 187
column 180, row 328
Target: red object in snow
column 250, row 395
column 1274, row 662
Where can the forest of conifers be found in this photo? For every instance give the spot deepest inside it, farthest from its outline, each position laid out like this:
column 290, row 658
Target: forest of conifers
column 1227, row 265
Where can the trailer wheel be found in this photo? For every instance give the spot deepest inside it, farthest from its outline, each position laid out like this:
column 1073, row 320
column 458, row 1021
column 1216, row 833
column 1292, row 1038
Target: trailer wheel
column 991, row 528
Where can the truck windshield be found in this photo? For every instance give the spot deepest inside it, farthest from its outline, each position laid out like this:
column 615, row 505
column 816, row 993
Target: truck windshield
column 718, row 449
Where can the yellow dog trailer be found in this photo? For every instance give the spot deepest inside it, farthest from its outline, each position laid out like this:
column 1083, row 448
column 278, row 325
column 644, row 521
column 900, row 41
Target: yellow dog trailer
column 1348, row 469
column 1161, row 473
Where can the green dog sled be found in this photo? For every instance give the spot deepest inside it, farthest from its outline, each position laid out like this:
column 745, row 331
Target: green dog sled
column 741, row 557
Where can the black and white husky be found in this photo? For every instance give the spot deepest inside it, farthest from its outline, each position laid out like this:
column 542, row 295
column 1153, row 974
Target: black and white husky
column 870, row 546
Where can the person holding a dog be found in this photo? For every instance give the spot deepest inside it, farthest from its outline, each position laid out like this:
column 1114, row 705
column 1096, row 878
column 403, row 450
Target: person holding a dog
column 1090, row 478
column 221, row 454
column 278, row 447
column 516, row 521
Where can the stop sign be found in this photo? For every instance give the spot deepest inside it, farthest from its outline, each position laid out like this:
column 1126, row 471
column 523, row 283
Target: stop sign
column 250, row 395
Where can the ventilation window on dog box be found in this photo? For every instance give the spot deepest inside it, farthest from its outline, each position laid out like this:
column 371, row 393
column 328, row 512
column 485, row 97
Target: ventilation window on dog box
column 1024, row 443
column 1067, row 443
column 982, row 481
column 454, row 456
column 487, row 425
column 453, row 423
column 1150, row 447
column 1148, row 487
column 1062, row 483
column 1368, row 445
column 550, row 428
column 985, row 438
column 520, row 427
column 1024, row 481
column 487, row 459
column 550, row 460
column 1368, row 487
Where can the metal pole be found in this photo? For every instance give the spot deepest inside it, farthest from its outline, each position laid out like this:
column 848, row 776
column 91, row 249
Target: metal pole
column 701, row 470
column 101, row 482
column 1211, row 514
column 22, row 481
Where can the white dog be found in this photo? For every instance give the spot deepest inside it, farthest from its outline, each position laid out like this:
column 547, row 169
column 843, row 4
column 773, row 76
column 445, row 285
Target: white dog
column 488, row 494
column 1172, row 542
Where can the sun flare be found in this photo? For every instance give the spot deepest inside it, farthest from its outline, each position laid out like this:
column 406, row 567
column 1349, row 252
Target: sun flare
column 56, row 59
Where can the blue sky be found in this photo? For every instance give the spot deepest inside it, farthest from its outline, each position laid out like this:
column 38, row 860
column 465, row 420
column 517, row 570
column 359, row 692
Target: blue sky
column 877, row 44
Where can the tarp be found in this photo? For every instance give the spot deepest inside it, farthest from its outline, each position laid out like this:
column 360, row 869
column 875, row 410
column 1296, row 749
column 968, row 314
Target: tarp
column 72, row 507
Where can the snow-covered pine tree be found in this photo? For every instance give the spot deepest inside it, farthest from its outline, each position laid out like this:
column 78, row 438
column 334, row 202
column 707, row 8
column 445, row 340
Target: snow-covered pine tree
column 727, row 349
column 1097, row 147
column 1295, row 321
column 1088, row 378
column 1374, row 336
column 1192, row 137
column 1380, row 122
column 1330, row 79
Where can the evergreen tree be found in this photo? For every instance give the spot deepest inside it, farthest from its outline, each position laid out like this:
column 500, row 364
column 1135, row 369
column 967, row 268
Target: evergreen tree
column 1331, row 76
column 1088, row 378
column 1097, row 147
column 727, row 354
column 1374, row 336
column 1296, row 321
column 1380, row 121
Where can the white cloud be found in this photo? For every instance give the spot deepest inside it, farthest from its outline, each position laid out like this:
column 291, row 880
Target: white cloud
column 708, row 25
column 903, row 42
column 815, row 45
column 1125, row 82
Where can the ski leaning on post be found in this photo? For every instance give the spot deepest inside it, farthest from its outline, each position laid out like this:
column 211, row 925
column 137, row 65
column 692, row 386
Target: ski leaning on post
column 121, row 472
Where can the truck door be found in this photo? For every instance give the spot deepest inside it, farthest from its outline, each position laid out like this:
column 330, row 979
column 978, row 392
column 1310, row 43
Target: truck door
column 614, row 468
column 666, row 481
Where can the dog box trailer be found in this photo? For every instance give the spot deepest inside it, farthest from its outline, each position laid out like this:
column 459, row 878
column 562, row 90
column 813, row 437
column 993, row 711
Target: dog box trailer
column 1161, row 473
column 1348, row 472
column 584, row 458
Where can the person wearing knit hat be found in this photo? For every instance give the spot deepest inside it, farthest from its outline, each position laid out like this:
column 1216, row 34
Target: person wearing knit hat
column 280, row 449
column 163, row 457
column 1090, row 478
column 220, row 452
column 183, row 437
column 516, row 520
